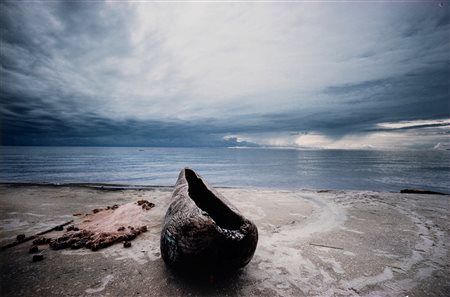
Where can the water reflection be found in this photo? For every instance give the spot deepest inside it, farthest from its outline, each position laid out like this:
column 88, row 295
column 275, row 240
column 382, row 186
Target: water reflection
column 266, row 168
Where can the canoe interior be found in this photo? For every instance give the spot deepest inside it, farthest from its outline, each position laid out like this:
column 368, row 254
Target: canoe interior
column 210, row 203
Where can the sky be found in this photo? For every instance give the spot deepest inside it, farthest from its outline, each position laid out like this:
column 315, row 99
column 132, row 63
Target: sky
column 326, row 74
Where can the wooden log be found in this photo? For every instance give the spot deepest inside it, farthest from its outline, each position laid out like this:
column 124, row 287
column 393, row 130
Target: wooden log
column 36, row 235
column 203, row 230
column 326, row 246
column 420, row 191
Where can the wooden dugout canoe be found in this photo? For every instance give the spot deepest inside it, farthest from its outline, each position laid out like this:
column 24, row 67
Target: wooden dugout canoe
column 203, row 230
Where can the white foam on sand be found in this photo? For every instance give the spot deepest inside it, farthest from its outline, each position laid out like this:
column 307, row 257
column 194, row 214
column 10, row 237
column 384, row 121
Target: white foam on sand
column 283, row 264
column 359, row 283
column 102, row 286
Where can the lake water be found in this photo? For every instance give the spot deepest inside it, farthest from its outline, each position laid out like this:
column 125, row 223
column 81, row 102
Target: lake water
column 260, row 168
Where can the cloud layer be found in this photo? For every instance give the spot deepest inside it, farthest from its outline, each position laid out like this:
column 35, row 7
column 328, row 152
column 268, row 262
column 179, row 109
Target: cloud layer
column 219, row 74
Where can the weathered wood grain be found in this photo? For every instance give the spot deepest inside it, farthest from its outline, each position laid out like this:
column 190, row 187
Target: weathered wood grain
column 203, row 230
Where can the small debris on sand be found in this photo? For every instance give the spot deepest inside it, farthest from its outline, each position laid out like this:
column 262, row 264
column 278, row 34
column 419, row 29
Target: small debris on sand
column 126, row 244
column 72, row 228
column 105, row 227
column 59, row 228
column 33, row 249
column 41, row 241
column 20, row 237
column 146, row 205
column 38, row 257
column 115, row 206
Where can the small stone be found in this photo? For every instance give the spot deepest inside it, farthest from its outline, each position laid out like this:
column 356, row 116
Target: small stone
column 126, row 244
column 121, row 228
column 145, row 204
column 130, row 236
column 20, row 237
column 77, row 245
column 41, row 241
column 38, row 257
column 58, row 244
column 33, row 249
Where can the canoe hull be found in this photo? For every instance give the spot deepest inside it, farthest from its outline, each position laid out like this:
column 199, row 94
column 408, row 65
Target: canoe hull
column 204, row 231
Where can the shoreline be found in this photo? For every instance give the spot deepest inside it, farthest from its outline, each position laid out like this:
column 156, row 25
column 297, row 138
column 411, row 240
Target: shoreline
column 311, row 243
column 120, row 186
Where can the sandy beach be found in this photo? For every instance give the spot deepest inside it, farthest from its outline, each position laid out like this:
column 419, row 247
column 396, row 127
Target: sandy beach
column 311, row 243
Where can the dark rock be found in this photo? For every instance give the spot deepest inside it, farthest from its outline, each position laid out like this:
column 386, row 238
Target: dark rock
column 129, row 236
column 20, row 237
column 143, row 229
column 89, row 244
column 72, row 228
column 78, row 244
column 33, row 249
column 59, row 243
column 146, row 205
column 38, row 257
column 126, row 244
column 41, row 241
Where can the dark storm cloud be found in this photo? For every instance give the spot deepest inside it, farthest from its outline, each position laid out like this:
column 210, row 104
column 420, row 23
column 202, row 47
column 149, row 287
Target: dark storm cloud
column 358, row 108
column 97, row 73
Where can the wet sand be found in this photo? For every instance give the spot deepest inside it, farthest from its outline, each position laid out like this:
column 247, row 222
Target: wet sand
column 311, row 243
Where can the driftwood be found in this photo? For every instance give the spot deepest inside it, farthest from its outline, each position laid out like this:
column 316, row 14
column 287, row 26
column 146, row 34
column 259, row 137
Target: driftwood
column 326, row 246
column 420, row 191
column 25, row 239
column 203, row 230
